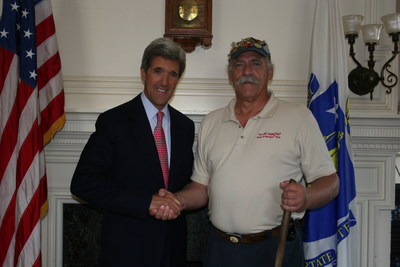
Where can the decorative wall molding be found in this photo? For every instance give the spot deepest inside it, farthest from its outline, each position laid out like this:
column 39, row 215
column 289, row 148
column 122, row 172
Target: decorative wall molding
column 200, row 95
column 375, row 135
column 193, row 87
column 375, row 200
column 80, row 124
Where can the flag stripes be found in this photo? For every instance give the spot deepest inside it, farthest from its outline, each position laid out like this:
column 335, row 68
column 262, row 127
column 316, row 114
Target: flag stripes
column 32, row 111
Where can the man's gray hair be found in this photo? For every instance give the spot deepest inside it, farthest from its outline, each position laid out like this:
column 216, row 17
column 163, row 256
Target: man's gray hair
column 167, row 49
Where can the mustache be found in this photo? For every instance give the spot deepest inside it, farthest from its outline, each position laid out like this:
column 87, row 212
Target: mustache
column 247, row 79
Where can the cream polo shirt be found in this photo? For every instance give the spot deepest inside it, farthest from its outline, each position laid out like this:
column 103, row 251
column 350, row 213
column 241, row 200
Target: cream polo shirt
column 244, row 166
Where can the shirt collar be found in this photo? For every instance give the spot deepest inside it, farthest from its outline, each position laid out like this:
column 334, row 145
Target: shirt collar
column 151, row 110
column 267, row 112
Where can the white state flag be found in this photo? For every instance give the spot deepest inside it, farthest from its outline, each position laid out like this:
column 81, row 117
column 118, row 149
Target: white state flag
column 331, row 232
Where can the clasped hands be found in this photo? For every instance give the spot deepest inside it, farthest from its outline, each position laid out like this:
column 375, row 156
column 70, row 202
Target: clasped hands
column 165, row 205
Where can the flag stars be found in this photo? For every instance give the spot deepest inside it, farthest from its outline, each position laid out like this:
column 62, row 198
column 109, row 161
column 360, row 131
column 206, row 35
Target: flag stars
column 3, row 33
column 14, row 6
column 25, row 13
column 28, row 34
column 33, row 74
column 30, row 54
column 334, row 109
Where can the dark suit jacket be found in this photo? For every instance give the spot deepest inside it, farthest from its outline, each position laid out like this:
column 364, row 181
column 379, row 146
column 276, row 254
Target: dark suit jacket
column 119, row 171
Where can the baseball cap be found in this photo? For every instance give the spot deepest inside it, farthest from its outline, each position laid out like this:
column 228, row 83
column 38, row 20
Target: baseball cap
column 249, row 44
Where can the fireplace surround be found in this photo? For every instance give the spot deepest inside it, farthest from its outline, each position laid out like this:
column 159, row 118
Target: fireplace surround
column 81, row 235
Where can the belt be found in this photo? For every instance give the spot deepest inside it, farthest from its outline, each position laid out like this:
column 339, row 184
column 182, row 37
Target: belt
column 257, row 237
column 248, row 238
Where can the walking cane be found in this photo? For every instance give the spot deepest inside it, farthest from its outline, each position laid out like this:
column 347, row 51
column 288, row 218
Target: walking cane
column 280, row 252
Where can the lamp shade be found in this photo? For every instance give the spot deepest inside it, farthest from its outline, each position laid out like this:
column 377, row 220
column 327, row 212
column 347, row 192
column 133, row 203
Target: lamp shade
column 392, row 23
column 371, row 33
column 351, row 24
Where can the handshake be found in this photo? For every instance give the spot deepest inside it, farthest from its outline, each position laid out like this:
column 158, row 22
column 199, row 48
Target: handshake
column 165, row 205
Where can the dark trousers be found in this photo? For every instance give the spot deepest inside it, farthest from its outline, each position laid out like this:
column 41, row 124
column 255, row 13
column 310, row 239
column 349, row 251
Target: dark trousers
column 221, row 253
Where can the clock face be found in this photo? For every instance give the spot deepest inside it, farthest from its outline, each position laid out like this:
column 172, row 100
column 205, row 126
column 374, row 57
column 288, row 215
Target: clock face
column 188, row 10
column 188, row 13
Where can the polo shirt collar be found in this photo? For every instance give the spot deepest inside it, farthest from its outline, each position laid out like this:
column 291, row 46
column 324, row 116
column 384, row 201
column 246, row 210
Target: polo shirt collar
column 267, row 112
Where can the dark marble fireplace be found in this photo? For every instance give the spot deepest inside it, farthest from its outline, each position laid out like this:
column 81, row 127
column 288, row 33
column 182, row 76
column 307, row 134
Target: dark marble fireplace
column 395, row 236
column 81, row 228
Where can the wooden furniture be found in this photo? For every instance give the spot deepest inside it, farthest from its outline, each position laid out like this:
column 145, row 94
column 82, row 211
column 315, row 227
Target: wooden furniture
column 189, row 23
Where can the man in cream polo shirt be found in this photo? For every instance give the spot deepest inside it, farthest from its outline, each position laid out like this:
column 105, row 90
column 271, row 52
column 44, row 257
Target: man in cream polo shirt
column 243, row 166
column 246, row 154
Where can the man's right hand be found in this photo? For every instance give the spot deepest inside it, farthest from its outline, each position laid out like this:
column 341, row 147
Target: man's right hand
column 165, row 205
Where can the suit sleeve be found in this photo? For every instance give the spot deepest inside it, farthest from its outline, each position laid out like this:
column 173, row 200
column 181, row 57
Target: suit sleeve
column 93, row 179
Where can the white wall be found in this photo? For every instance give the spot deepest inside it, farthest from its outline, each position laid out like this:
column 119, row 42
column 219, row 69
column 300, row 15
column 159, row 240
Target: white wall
column 104, row 40
column 101, row 43
column 107, row 38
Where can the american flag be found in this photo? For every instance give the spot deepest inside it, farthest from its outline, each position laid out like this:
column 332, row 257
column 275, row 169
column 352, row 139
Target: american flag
column 31, row 112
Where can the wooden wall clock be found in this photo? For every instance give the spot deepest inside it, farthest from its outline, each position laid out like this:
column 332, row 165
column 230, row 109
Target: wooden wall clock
column 189, row 23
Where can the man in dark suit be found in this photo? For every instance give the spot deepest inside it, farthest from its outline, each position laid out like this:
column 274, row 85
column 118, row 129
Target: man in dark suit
column 120, row 172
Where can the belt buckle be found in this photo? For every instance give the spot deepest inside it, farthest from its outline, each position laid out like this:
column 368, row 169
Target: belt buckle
column 235, row 238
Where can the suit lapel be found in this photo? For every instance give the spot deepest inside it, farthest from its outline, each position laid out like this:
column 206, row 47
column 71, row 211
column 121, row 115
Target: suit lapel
column 176, row 144
column 141, row 131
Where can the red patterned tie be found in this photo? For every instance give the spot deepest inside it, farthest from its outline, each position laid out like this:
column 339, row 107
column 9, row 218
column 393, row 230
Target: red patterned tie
column 159, row 137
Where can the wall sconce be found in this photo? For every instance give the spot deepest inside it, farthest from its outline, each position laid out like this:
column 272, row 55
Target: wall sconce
column 363, row 80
